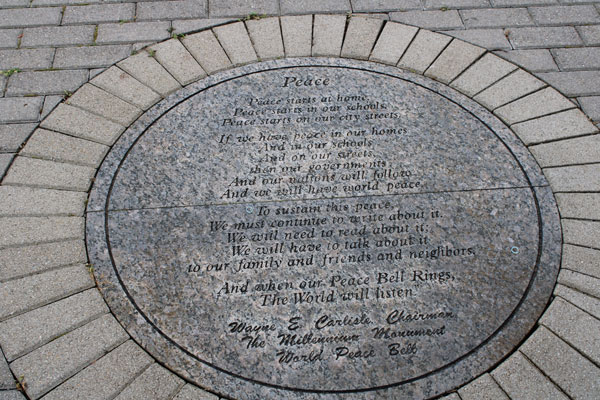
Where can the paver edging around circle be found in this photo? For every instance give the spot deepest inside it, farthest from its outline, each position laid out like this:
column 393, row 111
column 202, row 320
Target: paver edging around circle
column 88, row 123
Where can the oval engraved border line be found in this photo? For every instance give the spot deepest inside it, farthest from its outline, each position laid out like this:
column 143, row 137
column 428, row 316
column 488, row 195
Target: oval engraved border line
column 218, row 380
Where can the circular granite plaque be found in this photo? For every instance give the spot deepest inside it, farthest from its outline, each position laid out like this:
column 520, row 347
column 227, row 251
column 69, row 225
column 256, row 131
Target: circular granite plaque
column 323, row 229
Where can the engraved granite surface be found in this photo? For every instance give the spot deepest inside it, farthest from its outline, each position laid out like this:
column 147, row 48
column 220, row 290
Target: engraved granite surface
column 323, row 229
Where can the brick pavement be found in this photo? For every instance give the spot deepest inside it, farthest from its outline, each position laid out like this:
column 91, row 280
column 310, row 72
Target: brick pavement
column 50, row 48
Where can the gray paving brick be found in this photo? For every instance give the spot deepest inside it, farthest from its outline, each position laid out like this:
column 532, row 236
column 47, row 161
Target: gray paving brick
column 575, row 374
column 99, row 102
column 521, row 380
column 148, row 71
column 51, row 364
column 297, row 35
column 98, row 13
column 565, row 15
column 576, row 83
column 58, row 36
column 117, row 369
column 25, row 201
column 12, row 395
column 590, row 34
column 191, row 392
column 568, row 152
column 496, row 18
column 314, row 6
column 588, row 304
column 26, row 58
column 455, row 4
column 503, row 3
column 133, row 32
column 242, row 8
column 46, row 82
column 14, row 3
column 235, row 41
column 193, row 25
column 580, row 206
column 482, row 388
column 26, row 294
column 21, row 261
column 430, row 19
column 485, row 72
column 580, row 282
column 591, row 106
column 20, row 109
column 55, row 146
column 5, row 160
column 155, row 10
column 544, row 37
column 9, row 38
column 574, row 326
column 123, row 85
column 156, row 383
column 90, row 56
column 491, row 39
column 392, row 42
column 578, row 58
column 360, row 38
column 578, row 178
column 26, row 332
column 509, row 88
column 265, row 34
column 7, row 380
column 385, row 5
column 581, row 233
column 425, row 47
column 33, row 172
column 178, row 61
column 537, row 104
column 20, row 17
column 13, row 135
column 454, row 59
column 553, row 127
column 328, row 35
column 534, row 60
column 50, row 103
column 80, row 123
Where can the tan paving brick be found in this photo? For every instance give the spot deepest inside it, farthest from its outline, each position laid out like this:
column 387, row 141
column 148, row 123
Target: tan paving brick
column 538, row 104
column 156, row 383
column 26, row 260
column 328, row 35
column 235, row 41
column 207, row 50
column 148, row 71
column 561, row 125
column 80, row 123
column 123, row 85
column 589, row 304
column 581, row 233
column 33, row 172
column 485, row 72
column 117, row 369
column 392, row 42
column 453, row 60
column 99, row 102
column 34, row 291
column 51, row 364
column 33, row 202
column 425, row 47
column 297, row 35
column 577, row 178
column 576, row 327
column 26, row 332
column 568, row 152
column 579, row 205
column 482, row 388
column 360, row 38
column 266, row 37
column 54, row 146
column 178, row 61
column 511, row 87
column 583, row 283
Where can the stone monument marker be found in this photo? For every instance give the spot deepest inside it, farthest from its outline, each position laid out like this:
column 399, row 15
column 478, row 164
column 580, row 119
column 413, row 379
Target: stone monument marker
column 323, row 229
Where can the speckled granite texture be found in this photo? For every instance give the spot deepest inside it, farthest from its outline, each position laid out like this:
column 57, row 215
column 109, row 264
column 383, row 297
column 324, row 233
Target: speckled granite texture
column 323, row 228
